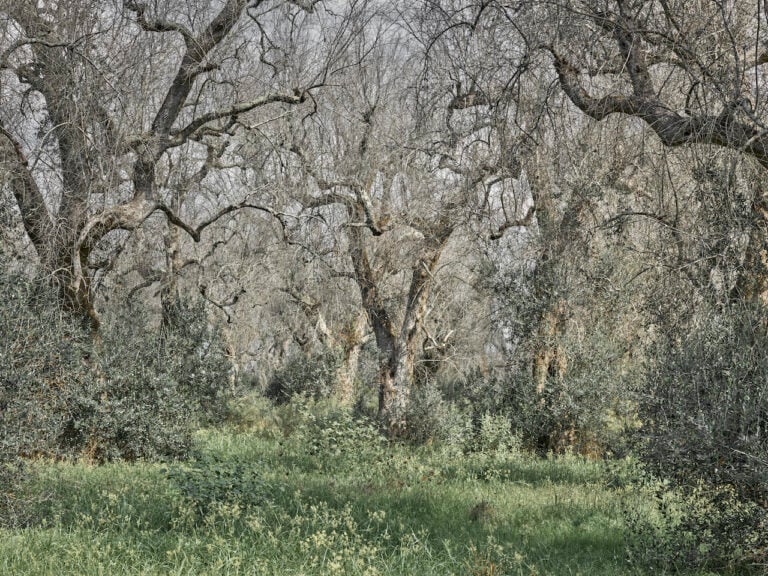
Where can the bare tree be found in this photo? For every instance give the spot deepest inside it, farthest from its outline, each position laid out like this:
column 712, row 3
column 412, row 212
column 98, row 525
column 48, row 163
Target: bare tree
column 113, row 112
column 692, row 74
column 406, row 156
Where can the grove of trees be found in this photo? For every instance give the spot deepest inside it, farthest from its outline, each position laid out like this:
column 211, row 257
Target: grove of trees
column 552, row 211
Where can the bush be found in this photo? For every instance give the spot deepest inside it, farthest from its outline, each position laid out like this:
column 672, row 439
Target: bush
column 706, row 432
column 706, row 413
column 312, row 376
column 479, row 393
column 208, row 480
column 585, row 412
column 19, row 503
column 155, row 388
column 432, row 418
column 494, row 435
column 326, row 430
column 43, row 363
column 590, row 409
column 334, row 433
column 138, row 395
column 702, row 526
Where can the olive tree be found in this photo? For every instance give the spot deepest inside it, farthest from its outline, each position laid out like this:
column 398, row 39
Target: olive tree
column 411, row 153
column 692, row 74
column 114, row 112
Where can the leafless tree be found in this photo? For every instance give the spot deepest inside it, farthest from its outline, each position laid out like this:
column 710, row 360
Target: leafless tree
column 116, row 111
column 406, row 156
column 693, row 73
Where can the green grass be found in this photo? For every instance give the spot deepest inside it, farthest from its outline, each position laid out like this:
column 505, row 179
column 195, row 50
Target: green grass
column 336, row 502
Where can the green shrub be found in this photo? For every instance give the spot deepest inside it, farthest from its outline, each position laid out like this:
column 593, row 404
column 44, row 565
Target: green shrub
column 328, row 432
column 342, row 434
column 494, row 435
column 702, row 526
column 705, row 432
column 252, row 412
column 137, row 395
column 706, row 412
column 19, row 503
column 313, row 376
column 207, row 480
column 432, row 418
column 44, row 356
column 156, row 387
column 592, row 410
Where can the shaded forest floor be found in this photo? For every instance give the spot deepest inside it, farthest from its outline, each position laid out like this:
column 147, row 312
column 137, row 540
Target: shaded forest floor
column 300, row 494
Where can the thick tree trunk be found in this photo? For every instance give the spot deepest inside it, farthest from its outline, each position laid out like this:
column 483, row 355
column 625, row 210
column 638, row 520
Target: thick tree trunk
column 318, row 337
column 549, row 361
column 52, row 239
column 397, row 348
column 350, row 343
column 557, row 232
column 170, row 298
column 395, row 389
column 54, row 235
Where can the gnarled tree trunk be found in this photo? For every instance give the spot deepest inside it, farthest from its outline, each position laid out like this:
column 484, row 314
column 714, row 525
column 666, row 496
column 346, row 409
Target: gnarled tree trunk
column 752, row 281
column 398, row 345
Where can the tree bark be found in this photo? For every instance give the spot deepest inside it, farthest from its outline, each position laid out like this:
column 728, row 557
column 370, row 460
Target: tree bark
column 549, row 360
column 350, row 343
column 752, row 281
column 398, row 346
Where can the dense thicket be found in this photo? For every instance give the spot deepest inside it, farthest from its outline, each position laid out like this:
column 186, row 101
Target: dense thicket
column 706, row 410
column 138, row 393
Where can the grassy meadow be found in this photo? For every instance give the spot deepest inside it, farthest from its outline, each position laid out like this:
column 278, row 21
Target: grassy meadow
column 293, row 493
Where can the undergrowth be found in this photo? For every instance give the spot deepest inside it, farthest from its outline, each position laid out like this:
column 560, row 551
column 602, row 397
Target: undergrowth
column 311, row 489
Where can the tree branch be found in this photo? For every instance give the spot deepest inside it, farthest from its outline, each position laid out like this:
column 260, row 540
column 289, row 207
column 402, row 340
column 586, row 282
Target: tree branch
column 182, row 135
column 203, row 289
column 597, row 108
column 629, row 45
column 133, row 214
column 361, row 197
column 306, row 5
column 197, row 49
column 39, row 41
column 158, row 24
column 673, row 128
column 34, row 213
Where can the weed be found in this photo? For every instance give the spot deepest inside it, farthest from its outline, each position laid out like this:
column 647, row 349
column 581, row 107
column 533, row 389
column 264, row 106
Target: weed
column 209, row 480
column 331, row 497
